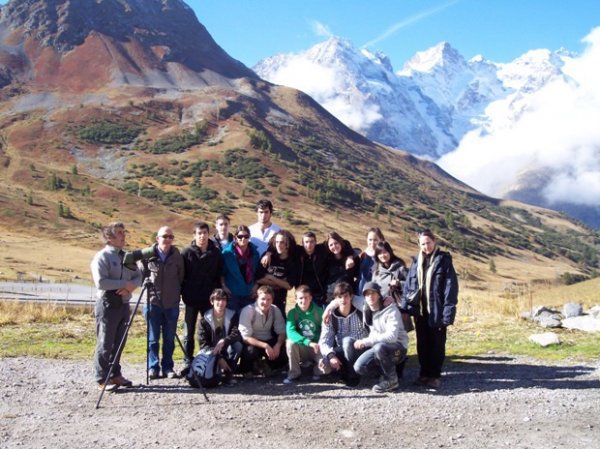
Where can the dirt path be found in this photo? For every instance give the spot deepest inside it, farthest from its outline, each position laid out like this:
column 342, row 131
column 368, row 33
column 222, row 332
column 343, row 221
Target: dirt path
column 489, row 402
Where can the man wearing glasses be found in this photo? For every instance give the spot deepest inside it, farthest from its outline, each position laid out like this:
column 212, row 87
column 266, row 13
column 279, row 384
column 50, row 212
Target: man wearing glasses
column 203, row 268
column 166, row 271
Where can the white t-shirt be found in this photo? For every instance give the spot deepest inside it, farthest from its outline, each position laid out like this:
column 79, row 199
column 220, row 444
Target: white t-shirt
column 260, row 238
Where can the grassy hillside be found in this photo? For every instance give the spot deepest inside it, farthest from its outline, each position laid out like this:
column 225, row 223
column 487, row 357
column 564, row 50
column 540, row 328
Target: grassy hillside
column 147, row 160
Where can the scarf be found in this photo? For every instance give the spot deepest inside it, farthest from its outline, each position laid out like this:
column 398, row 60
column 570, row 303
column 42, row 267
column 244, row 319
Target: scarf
column 245, row 258
column 424, row 279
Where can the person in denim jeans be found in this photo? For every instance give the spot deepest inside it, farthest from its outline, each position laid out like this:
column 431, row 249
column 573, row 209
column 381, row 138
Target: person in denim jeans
column 386, row 344
column 166, row 272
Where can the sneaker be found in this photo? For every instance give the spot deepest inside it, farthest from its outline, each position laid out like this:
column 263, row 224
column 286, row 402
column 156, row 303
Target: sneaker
column 316, row 377
column 289, row 380
column 171, row 374
column 386, row 385
column 352, row 382
column 121, row 381
column 109, row 387
column 153, row 374
column 263, row 367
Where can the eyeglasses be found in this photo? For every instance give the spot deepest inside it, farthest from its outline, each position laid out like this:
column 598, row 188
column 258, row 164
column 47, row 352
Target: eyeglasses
column 168, row 236
column 242, row 236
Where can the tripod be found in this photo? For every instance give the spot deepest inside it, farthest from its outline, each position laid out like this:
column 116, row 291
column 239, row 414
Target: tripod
column 146, row 286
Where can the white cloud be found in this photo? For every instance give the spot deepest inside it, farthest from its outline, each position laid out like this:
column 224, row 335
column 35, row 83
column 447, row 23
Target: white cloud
column 324, row 84
column 558, row 133
column 321, row 29
column 408, row 21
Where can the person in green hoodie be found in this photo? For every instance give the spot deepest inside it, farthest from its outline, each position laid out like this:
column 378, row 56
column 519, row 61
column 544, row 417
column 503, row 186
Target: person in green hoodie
column 303, row 327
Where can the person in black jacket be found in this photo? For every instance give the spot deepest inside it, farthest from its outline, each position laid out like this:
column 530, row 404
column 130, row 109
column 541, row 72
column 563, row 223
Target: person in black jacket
column 312, row 264
column 282, row 269
column 218, row 332
column 203, row 265
column 342, row 264
column 431, row 295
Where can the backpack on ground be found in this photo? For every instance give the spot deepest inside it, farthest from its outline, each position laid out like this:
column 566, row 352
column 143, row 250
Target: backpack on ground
column 204, row 368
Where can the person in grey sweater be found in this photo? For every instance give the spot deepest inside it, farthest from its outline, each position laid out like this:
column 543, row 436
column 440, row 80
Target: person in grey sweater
column 262, row 327
column 114, row 282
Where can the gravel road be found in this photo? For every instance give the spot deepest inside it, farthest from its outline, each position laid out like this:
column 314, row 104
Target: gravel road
column 485, row 402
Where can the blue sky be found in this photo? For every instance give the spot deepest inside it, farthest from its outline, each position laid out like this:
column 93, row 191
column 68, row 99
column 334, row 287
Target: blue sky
column 500, row 30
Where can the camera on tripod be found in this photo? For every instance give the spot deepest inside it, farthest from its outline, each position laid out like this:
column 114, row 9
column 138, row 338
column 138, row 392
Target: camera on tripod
column 144, row 254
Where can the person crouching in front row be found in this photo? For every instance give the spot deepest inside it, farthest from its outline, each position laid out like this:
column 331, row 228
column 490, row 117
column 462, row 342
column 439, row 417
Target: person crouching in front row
column 387, row 342
column 219, row 332
column 262, row 327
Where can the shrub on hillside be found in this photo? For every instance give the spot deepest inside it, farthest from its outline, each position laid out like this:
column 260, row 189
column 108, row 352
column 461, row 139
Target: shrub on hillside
column 109, row 133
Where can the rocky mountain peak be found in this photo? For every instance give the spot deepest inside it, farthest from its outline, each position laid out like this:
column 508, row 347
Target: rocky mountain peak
column 147, row 35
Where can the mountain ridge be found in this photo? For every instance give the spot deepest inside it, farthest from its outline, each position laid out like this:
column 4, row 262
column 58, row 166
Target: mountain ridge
column 146, row 155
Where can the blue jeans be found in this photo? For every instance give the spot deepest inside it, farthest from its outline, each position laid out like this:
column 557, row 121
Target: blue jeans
column 347, row 354
column 382, row 358
column 165, row 319
column 237, row 303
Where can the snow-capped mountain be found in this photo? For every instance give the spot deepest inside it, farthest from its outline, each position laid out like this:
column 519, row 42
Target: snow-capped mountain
column 459, row 112
column 426, row 107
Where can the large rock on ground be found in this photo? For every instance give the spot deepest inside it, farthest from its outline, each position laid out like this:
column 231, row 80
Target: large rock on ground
column 545, row 339
column 572, row 309
column 586, row 323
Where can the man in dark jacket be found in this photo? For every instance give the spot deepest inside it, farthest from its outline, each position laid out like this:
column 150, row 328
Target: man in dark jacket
column 203, row 268
column 166, row 272
column 223, row 237
column 313, row 267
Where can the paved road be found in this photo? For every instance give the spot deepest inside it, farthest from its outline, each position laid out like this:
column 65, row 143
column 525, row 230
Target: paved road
column 48, row 292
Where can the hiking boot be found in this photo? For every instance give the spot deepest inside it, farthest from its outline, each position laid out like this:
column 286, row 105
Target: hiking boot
column 109, row 387
column 434, row 383
column 421, row 380
column 153, row 374
column 386, row 385
column 170, row 374
column 316, row 377
column 184, row 372
column 121, row 381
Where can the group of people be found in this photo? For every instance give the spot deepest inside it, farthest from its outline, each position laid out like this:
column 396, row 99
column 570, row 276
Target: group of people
column 351, row 314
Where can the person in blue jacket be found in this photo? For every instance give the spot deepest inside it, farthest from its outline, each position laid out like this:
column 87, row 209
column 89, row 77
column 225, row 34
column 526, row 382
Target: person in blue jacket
column 240, row 264
column 431, row 295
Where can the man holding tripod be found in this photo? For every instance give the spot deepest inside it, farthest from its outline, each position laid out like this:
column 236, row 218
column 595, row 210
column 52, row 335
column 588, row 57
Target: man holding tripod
column 166, row 271
column 115, row 283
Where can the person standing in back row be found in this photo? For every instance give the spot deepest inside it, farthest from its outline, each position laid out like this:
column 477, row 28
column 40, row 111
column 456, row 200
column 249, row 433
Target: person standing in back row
column 262, row 231
column 166, row 272
column 431, row 295
column 203, row 269
column 223, row 237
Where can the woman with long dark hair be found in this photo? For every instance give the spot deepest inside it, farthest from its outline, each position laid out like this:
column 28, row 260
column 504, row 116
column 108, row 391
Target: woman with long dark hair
column 281, row 271
column 389, row 271
column 342, row 264
column 431, row 295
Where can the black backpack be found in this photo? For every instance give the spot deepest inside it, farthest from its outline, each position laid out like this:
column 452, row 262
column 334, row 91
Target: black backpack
column 205, row 369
